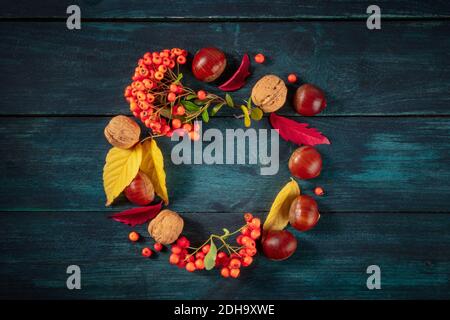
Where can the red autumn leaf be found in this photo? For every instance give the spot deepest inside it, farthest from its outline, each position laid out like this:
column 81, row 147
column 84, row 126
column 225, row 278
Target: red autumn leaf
column 297, row 132
column 237, row 80
column 139, row 215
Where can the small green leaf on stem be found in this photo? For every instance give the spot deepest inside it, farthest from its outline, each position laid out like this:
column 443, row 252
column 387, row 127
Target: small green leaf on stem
column 178, row 79
column 229, row 100
column 247, row 121
column 190, row 106
column 191, row 96
column 205, row 115
column 249, row 103
column 210, row 258
column 226, row 231
column 216, row 108
column 256, row 114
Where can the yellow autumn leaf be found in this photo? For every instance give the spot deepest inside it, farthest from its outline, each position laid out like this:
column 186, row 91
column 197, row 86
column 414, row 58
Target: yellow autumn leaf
column 121, row 167
column 153, row 166
column 278, row 217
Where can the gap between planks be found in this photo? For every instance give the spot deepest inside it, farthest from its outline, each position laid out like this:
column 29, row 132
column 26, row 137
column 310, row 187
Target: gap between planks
column 213, row 19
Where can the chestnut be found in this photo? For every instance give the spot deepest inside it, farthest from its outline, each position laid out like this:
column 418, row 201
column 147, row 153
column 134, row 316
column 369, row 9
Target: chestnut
column 140, row 191
column 303, row 213
column 305, row 163
column 278, row 244
column 208, row 64
column 309, row 100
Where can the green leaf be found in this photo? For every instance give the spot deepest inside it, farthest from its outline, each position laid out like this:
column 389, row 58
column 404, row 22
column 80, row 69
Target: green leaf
column 191, row 96
column 205, row 115
column 178, row 79
column 229, row 100
column 247, row 121
column 190, row 106
column 256, row 114
column 165, row 112
column 226, row 231
column 210, row 258
column 199, row 102
column 216, row 108
column 249, row 103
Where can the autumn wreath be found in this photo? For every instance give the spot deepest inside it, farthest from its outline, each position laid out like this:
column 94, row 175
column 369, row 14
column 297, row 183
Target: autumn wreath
column 165, row 107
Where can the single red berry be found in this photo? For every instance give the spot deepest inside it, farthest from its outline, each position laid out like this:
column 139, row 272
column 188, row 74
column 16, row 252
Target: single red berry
column 245, row 231
column 235, row 263
column 225, row 272
column 248, row 216
column 183, row 242
column 222, row 256
column 255, row 223
column 292, row 78
column 187, row 127
column 255, row 234
column 147, row 252
column 181, row 59
column 234, row 273
column 194, row 136
column 159, row 75
column 173, row 88
column 176, row 123
column 239, row 239
column 319, row 191
column 250, row 244
column 174, row 258
column 243, row 252
column 246, row 261
column 171, row 97
column 181, row 111
column 190, row 266
column 205, row 248
column 200, row 255
column 251, row 251
column 199, row 264
column 201, row 94
column 245, row 240
column 176, row 249
column 133, row 236
column 158, row 246
column 259, row 58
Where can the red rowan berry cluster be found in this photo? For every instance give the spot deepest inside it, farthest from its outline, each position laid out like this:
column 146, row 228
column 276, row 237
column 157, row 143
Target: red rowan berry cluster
column 209, row 256
column 158, row 98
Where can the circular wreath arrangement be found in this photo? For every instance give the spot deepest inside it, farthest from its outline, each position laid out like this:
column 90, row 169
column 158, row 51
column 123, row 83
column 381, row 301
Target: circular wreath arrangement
column 165, row 107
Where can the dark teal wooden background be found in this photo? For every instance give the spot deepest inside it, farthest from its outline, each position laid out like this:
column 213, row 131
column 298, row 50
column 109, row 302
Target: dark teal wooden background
column 386, row 173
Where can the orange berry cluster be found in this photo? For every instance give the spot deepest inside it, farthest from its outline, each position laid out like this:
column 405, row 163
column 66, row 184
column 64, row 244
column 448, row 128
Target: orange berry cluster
column 229, row 264
column 155, row 86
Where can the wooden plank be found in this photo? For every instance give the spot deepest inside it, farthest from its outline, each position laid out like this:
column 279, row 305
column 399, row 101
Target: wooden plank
column 374, row 164
column 230, row 9
column 401, row 70
column 412, row 250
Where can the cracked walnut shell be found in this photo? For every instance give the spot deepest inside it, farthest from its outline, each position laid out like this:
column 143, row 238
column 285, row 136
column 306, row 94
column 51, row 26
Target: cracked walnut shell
column 122, row 132
column 269, row 93
column 166, row 227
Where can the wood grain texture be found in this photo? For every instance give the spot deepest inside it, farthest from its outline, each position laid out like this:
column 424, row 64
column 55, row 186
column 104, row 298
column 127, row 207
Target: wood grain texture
column 228, row 9
column 373, row 164
column 401, row 70
column 412, row 250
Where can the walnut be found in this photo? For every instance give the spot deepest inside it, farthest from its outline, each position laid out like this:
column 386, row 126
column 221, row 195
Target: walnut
column 122, row 132
column 166, row 227
column 269, row 93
